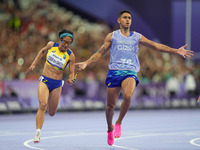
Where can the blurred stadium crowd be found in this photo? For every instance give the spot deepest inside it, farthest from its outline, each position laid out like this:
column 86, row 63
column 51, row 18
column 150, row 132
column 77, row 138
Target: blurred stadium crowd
column 26, row 27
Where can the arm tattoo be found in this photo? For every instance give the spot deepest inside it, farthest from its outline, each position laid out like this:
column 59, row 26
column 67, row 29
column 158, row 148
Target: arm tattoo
column 102, row 50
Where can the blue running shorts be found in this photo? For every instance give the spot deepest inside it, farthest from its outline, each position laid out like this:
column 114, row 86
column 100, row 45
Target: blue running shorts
column 51, row 83
column 115, row 77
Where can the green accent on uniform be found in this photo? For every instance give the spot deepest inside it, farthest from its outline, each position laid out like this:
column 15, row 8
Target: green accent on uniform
column 125, row 72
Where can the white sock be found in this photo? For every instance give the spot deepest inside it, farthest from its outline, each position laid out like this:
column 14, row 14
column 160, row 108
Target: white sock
column 38, row 130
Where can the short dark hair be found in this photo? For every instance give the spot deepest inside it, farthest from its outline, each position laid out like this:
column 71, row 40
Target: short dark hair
column 123, row 11
column 65, row 31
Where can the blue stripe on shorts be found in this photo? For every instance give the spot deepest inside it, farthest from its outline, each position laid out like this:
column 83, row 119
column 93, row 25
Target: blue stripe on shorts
column 115, row 77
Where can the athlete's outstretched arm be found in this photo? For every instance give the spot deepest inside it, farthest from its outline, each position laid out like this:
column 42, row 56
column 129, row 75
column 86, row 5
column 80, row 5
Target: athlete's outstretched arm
column 164, row 48
column 98, row 55
column 40, row 55
column 71, row 68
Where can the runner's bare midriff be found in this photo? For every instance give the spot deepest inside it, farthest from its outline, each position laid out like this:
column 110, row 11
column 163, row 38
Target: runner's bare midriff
column 52, row 73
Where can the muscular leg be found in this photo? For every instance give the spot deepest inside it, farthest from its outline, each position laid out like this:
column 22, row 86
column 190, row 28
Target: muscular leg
column 54, row 97
column 112, row 95
column 128, row 87
column 43, row 94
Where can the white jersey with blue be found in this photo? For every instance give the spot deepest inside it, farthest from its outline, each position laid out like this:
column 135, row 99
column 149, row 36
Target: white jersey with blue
column 124, row 51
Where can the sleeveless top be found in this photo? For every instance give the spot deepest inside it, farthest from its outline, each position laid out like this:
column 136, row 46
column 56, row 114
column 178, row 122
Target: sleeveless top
column 124, row 51
column 57, row 59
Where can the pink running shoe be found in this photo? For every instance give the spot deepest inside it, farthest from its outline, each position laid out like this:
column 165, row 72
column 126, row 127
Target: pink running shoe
column 110, row 138
column 117, row 132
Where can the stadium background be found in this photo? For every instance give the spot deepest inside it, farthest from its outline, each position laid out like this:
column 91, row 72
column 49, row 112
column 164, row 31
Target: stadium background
column 166, row 80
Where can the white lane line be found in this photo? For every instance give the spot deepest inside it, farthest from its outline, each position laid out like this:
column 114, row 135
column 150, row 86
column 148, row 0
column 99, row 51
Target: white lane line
column 26, row 143
column 123, row 147
column 128, row 137
column 194, row 140
column 155, row 134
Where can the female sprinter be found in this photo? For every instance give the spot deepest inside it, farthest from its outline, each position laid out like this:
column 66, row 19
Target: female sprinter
column 58, row 56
